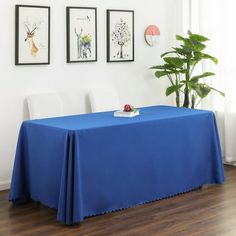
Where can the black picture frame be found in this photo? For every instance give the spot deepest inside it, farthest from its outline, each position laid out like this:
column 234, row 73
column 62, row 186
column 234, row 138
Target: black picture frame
column 118, row 55
column 38, row 53
column 78, row 49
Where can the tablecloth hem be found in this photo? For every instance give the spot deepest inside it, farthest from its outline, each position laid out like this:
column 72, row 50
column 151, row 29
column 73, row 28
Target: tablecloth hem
column 152, row 200
column 18, row 200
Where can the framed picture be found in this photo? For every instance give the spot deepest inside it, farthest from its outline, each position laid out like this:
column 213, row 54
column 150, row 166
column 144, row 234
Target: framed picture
column 81, row 34
column 32, row 36
column 120, row 35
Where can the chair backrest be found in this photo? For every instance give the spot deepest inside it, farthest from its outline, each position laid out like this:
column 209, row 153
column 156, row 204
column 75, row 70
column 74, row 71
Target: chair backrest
column 44, row 105
column 104, row 100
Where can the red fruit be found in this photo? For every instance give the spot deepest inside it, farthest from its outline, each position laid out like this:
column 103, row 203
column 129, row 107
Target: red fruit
column 127, row 108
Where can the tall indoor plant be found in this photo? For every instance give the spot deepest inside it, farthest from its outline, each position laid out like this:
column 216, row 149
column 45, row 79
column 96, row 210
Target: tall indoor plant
column 178, row 67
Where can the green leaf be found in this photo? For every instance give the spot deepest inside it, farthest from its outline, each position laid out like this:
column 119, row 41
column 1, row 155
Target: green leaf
column 202, row 90
column 180, row 38
column 181, row 51
column 172, row 89
column 221, row 93
column 207, row 56
column 198, row 37
column 160, row 74
column 194, row 45
column 165, row 67
column 176, row 61
column 196, row 78
column 166, row 53
column 197, row 54
column 159, row 67
column 187, row 50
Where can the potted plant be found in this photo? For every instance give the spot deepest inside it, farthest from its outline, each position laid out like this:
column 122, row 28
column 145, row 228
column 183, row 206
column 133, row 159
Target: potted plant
column 178, row 67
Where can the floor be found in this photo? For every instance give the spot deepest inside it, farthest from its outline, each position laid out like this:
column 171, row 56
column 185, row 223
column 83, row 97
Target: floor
column 206, row 211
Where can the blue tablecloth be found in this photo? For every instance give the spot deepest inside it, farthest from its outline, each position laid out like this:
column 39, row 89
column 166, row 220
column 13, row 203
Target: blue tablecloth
column 90, row 164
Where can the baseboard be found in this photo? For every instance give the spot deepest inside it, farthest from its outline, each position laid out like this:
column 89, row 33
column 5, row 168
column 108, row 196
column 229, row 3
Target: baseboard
column 4, row 185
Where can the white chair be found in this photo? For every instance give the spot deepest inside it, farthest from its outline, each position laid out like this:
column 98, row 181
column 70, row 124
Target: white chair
column 104, row 100
column 44, row 105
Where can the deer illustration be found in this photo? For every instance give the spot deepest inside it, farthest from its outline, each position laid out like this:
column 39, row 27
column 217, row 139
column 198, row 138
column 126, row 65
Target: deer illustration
column 83, row 44
column 30, row 38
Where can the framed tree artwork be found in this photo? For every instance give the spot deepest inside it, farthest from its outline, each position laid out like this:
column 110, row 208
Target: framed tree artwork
column 81, row 34
column 120, row 35
column 32, row 35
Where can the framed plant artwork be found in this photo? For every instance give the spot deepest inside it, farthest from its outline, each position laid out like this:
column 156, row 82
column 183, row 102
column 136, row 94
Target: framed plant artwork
column 32, row 35
column 81, row 34
column 120, row 35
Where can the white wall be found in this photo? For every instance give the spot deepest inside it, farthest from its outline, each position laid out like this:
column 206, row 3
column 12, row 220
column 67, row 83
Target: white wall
column 134, row 82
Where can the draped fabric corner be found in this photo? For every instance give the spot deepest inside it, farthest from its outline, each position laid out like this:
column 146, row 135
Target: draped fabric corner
column 20, row 187
column 70, row 198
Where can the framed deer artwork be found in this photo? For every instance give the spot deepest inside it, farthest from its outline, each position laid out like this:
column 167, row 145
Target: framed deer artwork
column 32, row 36
column 81, row 34
column 120, row 35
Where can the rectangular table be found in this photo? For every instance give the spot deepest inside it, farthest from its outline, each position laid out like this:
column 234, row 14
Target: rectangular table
column 91, row 164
